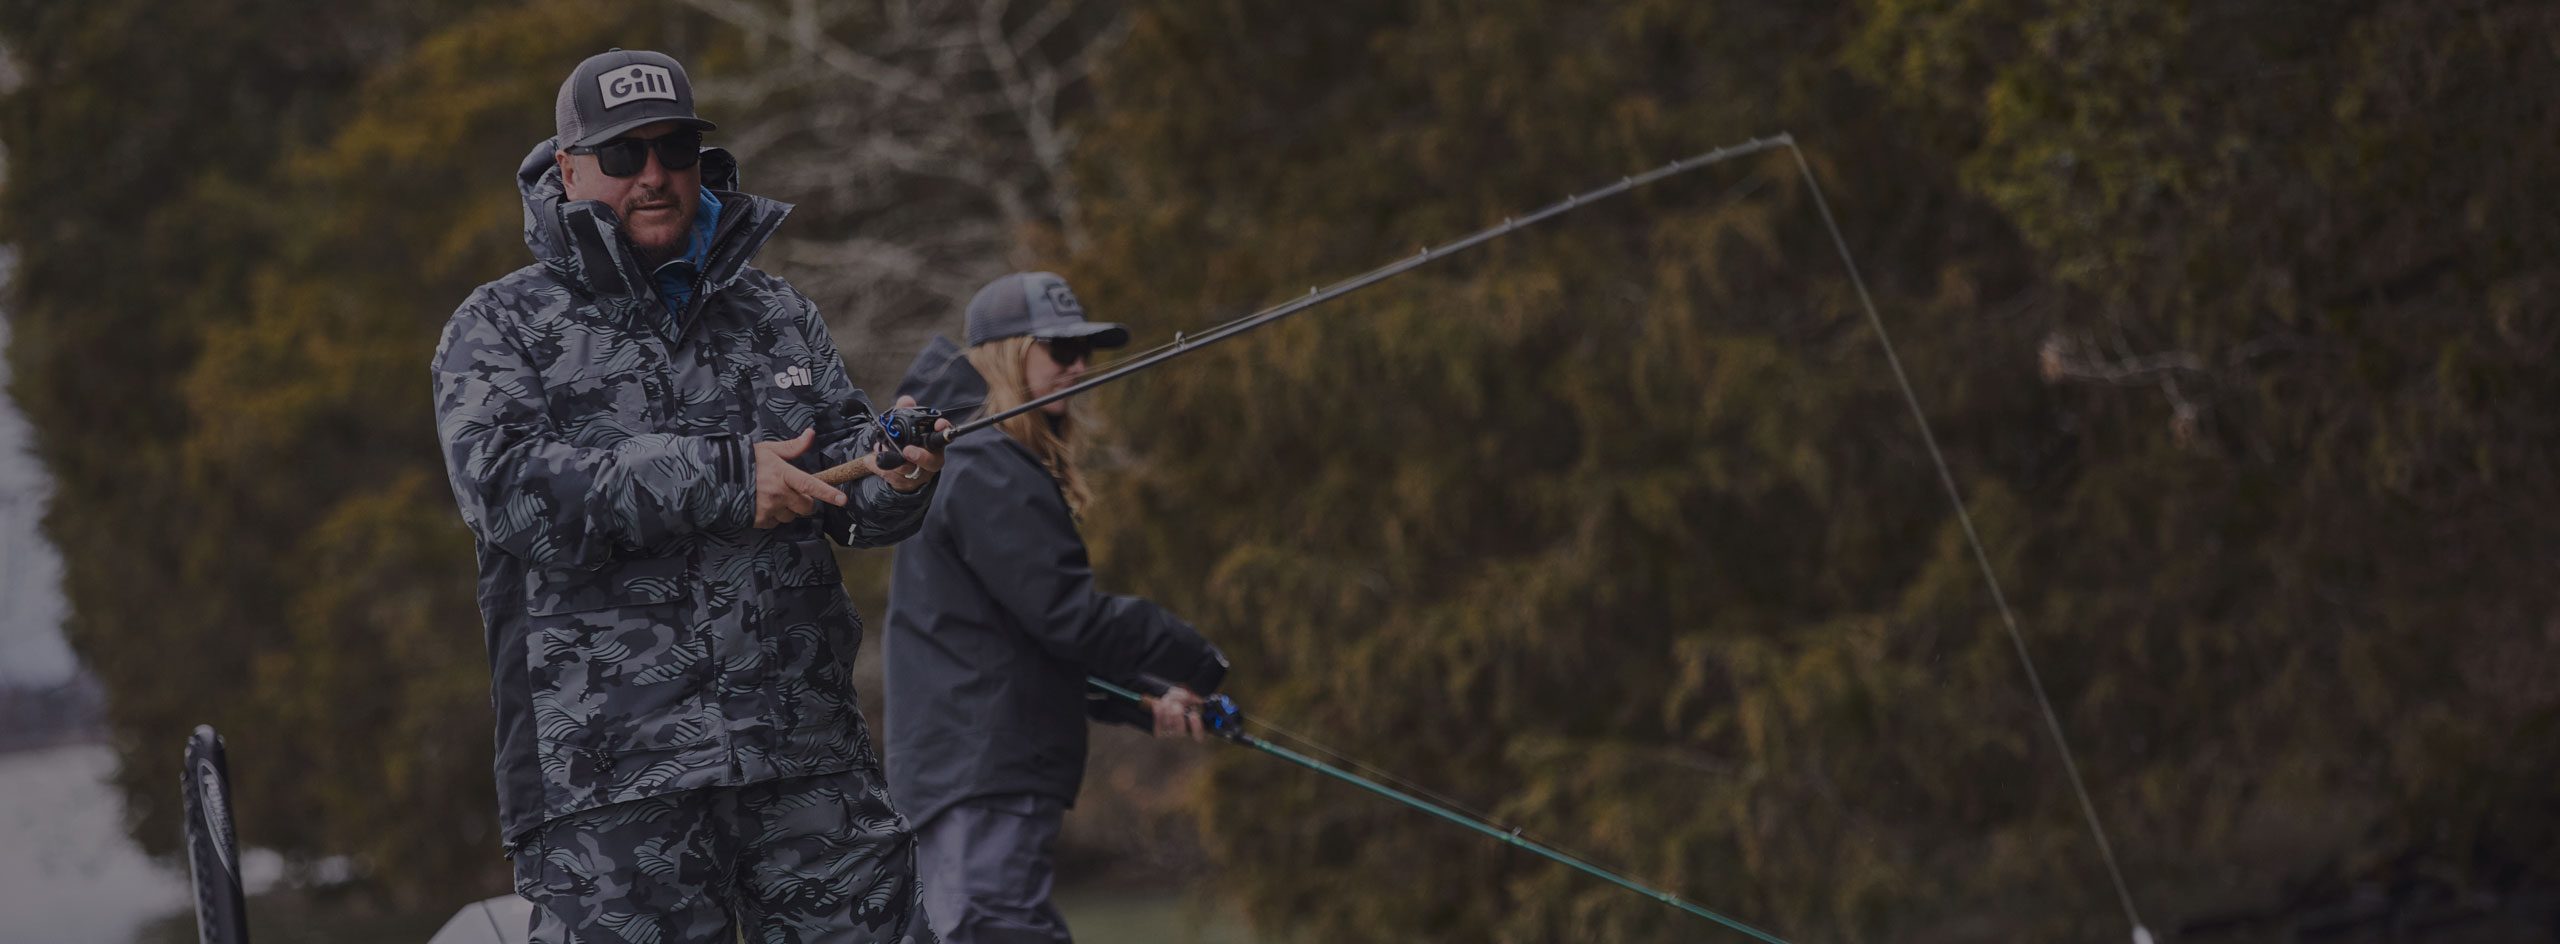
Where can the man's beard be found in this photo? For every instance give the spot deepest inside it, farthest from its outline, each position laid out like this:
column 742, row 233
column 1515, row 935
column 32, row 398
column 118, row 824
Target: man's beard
column 654, row 256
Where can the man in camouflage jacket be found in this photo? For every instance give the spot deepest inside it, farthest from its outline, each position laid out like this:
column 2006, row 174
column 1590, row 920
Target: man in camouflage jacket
column 629, row 425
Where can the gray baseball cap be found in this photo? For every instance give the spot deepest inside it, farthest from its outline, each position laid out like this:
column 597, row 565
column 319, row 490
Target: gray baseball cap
column 614, row 92
column 1037, row 304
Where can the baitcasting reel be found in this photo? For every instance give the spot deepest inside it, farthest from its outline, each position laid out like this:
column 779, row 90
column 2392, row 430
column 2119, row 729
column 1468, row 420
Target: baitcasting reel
column 909, row 426
column 1219, row 714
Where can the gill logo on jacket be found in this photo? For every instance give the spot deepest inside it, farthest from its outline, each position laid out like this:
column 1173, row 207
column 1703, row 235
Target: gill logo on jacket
column 793, row 377
column 621, row 86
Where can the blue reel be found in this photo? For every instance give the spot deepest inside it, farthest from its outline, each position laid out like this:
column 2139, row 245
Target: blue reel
column 909, row 426
column 1219, row 714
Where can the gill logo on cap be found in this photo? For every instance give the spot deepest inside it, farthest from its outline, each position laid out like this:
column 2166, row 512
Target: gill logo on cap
column 1064, row 301
column 633, row 83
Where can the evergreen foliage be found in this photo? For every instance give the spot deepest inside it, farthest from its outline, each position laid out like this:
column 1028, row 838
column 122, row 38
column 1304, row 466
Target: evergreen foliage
column 222, row 316
column 2229, row 317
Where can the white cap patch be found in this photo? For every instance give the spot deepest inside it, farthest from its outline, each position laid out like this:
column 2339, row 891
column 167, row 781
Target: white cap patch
column 635, row 82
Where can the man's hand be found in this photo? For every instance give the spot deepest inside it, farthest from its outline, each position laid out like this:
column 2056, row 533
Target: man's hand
column 922, row 463
column 784, row 493
column 1177, row 713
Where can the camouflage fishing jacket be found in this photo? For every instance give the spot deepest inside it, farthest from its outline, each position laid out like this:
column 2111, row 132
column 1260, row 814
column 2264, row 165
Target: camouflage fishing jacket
column 644, row 638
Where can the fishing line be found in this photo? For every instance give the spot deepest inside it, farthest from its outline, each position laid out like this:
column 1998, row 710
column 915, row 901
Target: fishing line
column 1973, row 538
column 916, row 426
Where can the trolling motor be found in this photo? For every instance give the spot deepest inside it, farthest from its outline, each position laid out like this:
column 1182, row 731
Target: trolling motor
column 213, row 863
column 213, row 844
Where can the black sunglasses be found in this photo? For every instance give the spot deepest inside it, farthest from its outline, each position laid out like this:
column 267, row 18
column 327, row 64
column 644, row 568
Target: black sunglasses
column 1067, row 351
column 623, row 157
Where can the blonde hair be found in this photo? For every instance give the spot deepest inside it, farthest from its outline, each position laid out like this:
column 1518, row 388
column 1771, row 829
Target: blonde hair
column 1051, row 439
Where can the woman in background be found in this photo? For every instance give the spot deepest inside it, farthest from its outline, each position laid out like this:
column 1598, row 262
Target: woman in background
column 995, row 622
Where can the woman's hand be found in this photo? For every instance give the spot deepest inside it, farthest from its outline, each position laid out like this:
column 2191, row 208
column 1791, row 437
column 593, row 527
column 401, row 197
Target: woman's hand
column 1177, row 713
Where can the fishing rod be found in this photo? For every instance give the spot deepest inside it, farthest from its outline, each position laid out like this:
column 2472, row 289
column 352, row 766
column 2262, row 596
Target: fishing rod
column 916, row 426
column 1219, row 714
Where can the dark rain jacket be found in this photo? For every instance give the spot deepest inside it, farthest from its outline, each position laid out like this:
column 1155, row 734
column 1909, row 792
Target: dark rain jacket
column 994, row 622
column 644, row 638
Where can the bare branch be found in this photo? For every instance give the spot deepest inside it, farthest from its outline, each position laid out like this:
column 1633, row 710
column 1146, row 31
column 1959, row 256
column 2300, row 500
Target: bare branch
column 1044, row 20
column 924, row 142
column 882, row 75
column 2059, row 359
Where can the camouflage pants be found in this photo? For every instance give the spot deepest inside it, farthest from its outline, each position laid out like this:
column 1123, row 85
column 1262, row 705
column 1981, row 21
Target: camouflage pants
column 795, row 861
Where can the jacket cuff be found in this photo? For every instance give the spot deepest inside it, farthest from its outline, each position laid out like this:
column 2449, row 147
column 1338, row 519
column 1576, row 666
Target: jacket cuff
column 730, row 491
column 1211, row 672
column 891, row 505
column 878, row 515
column 1108, row 708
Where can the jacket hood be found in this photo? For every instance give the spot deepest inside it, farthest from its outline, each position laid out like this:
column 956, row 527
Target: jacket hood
column 942, row 378
column 582, row 239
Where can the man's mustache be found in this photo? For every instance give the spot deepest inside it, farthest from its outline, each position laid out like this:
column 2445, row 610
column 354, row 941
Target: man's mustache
column 649, row 197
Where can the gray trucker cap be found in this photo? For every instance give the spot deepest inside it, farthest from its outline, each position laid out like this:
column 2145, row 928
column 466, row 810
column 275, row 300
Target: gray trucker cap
column 1037, row 304
column 614, row 92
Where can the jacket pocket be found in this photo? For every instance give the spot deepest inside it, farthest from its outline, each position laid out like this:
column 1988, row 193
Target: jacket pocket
column 603, row 410
column 614, row 661
column 806, row 562
column 811, row 635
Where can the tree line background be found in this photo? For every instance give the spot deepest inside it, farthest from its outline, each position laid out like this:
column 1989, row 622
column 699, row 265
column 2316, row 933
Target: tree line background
column 2230, row 316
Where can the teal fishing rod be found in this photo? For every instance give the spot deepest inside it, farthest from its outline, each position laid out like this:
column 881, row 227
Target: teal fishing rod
column 1219, row 714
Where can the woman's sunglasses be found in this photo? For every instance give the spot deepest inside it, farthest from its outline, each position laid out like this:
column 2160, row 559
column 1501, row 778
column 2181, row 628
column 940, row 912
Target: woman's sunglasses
column 623, row 157
column 1067, row 351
